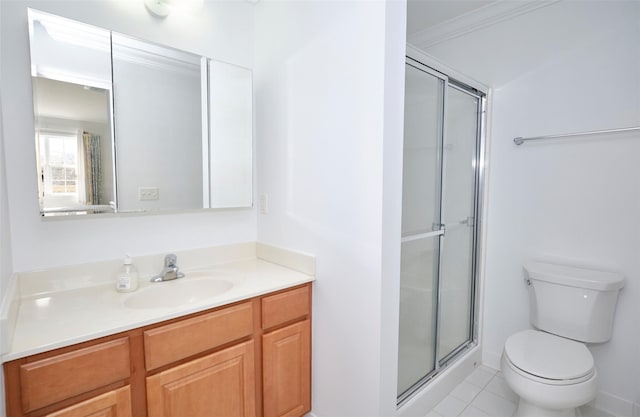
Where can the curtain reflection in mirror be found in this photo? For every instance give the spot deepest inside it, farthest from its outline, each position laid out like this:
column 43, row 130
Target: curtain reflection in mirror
column 92, row 168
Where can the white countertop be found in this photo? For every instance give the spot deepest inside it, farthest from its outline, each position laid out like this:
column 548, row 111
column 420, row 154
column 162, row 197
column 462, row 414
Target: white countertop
column 51, row 320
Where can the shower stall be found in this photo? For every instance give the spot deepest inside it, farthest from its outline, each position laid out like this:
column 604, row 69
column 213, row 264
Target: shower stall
column 442, row 175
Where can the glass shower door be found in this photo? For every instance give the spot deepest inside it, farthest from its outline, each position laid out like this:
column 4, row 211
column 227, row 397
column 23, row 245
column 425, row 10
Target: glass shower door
column 421, row 196
column 458, row 215
column 440, row 194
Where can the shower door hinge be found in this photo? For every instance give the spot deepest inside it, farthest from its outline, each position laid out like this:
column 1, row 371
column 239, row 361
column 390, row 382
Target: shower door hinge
column 435, row 227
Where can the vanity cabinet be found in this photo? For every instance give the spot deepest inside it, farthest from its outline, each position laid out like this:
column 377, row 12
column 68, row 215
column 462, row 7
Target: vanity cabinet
column 218, row 384
column 251, row 358
column 286, row 353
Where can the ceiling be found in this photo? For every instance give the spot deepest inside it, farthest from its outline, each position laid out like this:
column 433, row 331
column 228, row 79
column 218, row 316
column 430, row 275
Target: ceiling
column 424, row 14
column 67, row 101
column 498, row 42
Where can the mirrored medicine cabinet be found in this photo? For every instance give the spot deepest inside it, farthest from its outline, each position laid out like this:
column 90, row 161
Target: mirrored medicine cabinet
column 125, row 125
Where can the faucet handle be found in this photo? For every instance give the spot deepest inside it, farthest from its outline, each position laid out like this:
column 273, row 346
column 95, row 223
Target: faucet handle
column 170, row 260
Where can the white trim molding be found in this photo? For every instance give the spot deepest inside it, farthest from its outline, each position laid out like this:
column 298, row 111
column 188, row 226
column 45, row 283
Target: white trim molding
column 613, row 404
column 418, row 55
column 480, row 18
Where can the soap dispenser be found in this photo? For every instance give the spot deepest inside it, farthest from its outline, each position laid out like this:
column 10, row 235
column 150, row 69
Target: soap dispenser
column 127, row 278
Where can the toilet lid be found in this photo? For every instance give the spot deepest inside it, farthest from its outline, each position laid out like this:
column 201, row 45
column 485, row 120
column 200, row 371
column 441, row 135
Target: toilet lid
column 548, row 356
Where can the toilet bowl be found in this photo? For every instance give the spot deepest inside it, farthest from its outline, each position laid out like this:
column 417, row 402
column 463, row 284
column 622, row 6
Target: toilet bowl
column 550, row 368
column 552, row 375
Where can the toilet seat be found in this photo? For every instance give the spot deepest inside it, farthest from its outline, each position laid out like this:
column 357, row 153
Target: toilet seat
column 548, row 358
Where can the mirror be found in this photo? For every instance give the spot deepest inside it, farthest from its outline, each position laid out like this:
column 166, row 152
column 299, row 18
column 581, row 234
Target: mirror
column 73, row 125
column 125, row 125
column 158, row 107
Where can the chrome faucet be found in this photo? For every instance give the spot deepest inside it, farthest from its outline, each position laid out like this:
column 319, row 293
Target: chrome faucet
column 170, row 270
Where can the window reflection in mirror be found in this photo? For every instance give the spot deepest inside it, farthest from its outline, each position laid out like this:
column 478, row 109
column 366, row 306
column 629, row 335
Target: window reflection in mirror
column 70, row 167
column 74, row 147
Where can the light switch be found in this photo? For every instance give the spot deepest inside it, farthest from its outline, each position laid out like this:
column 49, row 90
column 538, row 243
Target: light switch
column 148, row 193
column 264, row 203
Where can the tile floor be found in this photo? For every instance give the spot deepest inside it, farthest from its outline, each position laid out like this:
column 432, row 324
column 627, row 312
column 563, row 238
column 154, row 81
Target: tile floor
column 485, row 393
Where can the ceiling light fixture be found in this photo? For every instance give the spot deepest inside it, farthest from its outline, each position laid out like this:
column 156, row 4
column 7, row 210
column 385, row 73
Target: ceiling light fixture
column 162, row 8
column 159, row 8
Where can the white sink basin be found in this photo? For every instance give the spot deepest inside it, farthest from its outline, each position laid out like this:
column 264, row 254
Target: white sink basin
column 177, row 292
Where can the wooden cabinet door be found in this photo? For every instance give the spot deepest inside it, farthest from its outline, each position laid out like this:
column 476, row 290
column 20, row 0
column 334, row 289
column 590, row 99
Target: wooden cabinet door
column 116, row 403
column 221, row 384
column 286, row 371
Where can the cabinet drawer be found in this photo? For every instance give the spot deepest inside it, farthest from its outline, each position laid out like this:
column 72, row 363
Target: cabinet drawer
column 284, row 307
column 170, row 343
column 54, row 379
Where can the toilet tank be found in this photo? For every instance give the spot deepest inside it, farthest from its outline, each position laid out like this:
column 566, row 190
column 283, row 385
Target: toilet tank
column 573, row 302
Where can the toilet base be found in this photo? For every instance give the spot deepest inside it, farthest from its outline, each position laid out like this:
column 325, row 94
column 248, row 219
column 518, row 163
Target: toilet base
column 526, row 409
column 539, row 399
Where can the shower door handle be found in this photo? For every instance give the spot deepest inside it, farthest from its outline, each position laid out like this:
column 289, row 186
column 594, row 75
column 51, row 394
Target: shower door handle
column 438, row 229
column 469, row 221
column 418, row 236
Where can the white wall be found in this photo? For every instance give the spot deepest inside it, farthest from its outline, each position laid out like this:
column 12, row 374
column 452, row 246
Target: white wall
column 6, row 267
column 222, row 30
column 575, row 199
column 328, row 80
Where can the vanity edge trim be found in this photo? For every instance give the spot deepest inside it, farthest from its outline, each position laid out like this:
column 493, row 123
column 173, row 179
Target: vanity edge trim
column 180, row 312
column 9, row 313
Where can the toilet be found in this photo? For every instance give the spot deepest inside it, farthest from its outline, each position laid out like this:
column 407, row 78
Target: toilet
column 550, row 368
